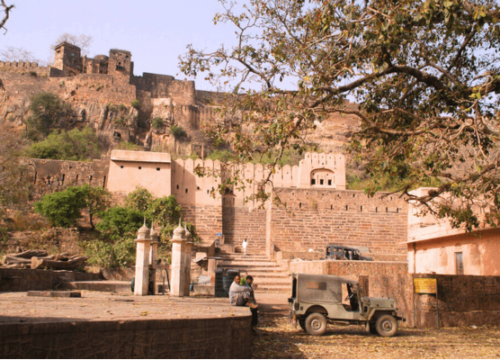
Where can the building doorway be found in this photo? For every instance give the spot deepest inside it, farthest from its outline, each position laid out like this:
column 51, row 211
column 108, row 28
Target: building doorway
column 459, row 263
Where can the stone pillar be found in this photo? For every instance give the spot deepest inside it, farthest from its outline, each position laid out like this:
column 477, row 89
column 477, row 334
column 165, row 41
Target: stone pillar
column 153, row 255
column 177, row 287
column 143, row 242
column 187, row 260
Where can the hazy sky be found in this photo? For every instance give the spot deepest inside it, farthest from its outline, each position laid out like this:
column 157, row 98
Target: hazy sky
column 155, row 31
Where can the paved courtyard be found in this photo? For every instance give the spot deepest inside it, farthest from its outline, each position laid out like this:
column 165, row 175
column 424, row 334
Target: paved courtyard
column 277, row 338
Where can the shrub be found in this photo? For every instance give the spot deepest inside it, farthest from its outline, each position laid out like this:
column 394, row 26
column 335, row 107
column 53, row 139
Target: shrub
column 47, row 109
column 177, row 131
column 136, row 104
column 121, row 107
column 98, row 201
column 140, row 199
column 119, row 121
column 221, row 155
column 63, row 208
column 111, row 254
column 120, row 222
column 157, row 123
column 74, row 145
column 33, row 73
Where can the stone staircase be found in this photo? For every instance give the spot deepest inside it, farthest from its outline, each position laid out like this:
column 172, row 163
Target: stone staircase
column 268, row 275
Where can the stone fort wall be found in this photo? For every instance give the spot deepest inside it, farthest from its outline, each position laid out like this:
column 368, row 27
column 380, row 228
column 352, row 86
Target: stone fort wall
column 313, row 218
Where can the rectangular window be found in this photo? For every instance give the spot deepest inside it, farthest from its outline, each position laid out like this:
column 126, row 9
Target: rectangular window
column 313, row 181
column 321, row 182
column 315, row 285
column 459, row 263
column 329, row 182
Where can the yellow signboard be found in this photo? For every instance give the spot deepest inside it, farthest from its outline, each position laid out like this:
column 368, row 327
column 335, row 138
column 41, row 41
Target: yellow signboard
column 425, row 286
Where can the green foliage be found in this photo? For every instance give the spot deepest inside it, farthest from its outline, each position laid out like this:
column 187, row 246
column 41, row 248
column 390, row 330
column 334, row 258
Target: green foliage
column 111, row 254
column 33, row 73
column 157, row 123
column 136, row 104
column 47, row 110
column 165, row 212
column 120, row 121
column 123, row 145
column 63, row 208
column 140, row 199
column 221, row 155
column 98, row 201
column 121, row 107
column 120, row 222
column 77, row 145
column 177, row 131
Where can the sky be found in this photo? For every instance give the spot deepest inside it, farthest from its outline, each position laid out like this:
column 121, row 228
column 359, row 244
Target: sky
column 155, row 31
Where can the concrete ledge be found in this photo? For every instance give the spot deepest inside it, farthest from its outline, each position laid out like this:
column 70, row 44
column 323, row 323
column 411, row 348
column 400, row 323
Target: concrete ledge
column 208, row 290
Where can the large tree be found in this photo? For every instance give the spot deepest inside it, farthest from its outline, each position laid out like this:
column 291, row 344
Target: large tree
column 425, row 76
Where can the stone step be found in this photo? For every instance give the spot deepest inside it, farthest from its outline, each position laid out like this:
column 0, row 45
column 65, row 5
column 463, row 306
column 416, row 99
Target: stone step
column 271, row 281
column 247, row 264
column 256, row 269
column 121, row 287
column 242, row 258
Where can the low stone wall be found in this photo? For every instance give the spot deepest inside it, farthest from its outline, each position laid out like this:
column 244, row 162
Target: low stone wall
column 463, row 300
column 377, row 279
column 12, row 280
column 148, row 339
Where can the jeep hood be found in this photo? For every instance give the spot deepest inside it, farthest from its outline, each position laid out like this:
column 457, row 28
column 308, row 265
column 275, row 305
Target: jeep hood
column 379, row 302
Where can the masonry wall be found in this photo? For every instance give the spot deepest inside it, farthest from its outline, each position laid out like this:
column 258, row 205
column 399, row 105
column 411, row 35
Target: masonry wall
column 463, row 301
column 312, row 219
column 243, row 223
column 16, row 280
column 209, row 338
column 207, row 219
column 377, row 279
column 55, row 175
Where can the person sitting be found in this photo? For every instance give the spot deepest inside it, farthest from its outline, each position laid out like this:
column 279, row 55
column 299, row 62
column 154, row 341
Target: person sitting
column 242, row 295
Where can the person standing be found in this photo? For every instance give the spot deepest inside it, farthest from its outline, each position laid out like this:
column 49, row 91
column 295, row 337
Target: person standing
column 244, row 245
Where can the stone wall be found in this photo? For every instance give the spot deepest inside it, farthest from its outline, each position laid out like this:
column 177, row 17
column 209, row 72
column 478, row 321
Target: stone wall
column 55, row 175
column 14, row 280
column 209, row 338
column 243, row 223
column 314, row 218
column 382, row 278
column 207, row 219
column 463, row 301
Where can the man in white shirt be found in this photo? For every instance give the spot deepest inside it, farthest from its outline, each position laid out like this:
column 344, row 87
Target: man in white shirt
column 245, row 244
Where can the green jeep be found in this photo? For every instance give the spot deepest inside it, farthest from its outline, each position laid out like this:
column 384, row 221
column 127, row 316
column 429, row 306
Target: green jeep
column 317, row 299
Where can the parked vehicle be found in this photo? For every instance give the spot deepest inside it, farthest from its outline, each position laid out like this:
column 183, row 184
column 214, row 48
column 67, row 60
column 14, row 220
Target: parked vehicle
column 339, row 252
column 317, row 300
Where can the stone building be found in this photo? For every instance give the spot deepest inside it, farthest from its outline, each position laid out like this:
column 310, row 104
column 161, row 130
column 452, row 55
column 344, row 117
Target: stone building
column 435, row 247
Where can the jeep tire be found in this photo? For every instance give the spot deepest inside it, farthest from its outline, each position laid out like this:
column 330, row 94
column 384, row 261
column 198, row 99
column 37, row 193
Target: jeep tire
column 370, row 327
column 386, row 325
column 302, row 324
column 316, row 324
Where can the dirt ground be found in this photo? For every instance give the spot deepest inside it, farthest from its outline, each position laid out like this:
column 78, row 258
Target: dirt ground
column 277, row 339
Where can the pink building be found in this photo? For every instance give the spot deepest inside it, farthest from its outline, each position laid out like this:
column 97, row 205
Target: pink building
column 434, row 247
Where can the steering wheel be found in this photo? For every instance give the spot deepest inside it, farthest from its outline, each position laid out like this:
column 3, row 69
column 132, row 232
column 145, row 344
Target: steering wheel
column 348, row 297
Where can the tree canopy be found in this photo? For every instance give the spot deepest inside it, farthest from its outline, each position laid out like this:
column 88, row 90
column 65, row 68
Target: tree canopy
column 424, row 75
